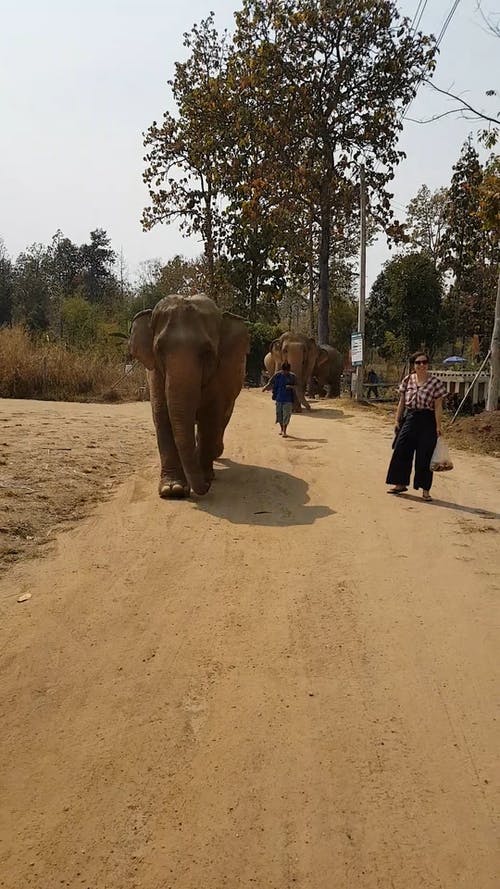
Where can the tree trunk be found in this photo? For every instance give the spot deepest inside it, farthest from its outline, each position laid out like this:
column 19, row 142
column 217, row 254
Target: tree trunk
column 310, row 266
column 312, row 325
column 494, row 384
column 254, row 292
column 209, row 246
column 324, row 274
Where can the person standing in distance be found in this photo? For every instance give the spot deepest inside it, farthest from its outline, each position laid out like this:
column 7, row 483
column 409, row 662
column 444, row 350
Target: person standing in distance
column 418, row 425
column 283, row 386
column 373, row 381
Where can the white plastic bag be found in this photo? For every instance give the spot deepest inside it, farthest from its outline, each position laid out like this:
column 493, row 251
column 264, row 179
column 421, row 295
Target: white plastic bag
column 441, row 460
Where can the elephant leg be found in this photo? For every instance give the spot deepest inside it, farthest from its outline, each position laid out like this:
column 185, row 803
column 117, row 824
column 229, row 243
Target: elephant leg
column 211, row 424
column 303, row 400
column 172, row 478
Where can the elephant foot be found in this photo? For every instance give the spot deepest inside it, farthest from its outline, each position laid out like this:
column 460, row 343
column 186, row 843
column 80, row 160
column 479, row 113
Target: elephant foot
column 173, row 490
column 202, row 488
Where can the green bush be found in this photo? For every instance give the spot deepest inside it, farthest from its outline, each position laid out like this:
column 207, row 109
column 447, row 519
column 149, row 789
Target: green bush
column 261, row 336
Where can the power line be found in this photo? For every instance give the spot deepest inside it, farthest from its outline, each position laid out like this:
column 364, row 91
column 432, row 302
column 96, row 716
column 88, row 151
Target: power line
column 439, row 40
column 416, row 14
column 420, row 16
column 447, row 21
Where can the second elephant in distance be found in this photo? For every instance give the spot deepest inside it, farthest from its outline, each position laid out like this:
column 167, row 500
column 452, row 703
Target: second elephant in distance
column 301, row 353
column 327, row 372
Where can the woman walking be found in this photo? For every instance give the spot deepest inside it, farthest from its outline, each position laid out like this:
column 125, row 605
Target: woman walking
column 417, row 430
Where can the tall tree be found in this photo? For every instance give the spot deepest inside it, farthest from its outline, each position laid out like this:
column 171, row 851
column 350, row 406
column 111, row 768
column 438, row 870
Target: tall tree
column 426, row 222
column 330, row 82
column 406, row 303
column 468, row 249
column 97, row 259
column 489, row 214
column 6, row 286
column 31, row 295
column 185, row 152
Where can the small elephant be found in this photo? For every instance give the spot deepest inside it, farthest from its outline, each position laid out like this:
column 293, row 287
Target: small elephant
column 195, row 357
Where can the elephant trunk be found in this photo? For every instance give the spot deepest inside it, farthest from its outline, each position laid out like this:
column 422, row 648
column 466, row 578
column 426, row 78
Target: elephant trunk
column 297, row 361
column 183, row 380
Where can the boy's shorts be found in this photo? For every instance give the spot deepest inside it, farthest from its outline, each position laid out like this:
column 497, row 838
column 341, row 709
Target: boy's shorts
column 283, row 413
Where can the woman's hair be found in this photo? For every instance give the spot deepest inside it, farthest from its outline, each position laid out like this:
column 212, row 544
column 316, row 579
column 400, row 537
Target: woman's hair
column 418, row 354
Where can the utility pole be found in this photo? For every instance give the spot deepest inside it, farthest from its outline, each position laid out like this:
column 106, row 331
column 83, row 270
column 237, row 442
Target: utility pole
column 494, row 384
column 362, row 279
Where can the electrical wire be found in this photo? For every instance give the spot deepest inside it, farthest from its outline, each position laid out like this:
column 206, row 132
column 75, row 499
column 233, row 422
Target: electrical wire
column 446, row 25
column 447, row 22
column 416, row 14
column 415, row 27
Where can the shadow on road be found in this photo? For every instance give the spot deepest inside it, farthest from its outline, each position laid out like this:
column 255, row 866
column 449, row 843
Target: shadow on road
column 312, row 440
column 326, row 413
column 447, row 504
column 258, row 495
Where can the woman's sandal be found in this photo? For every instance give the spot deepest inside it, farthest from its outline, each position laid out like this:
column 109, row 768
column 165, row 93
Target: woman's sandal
column 427, row 497
column 397, row 490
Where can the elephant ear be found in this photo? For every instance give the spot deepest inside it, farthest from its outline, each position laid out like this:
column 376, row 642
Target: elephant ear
column 234, row 336
column 141, row 339
column 322, row 357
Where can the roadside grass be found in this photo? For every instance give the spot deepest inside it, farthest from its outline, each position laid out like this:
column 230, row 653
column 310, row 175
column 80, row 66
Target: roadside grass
column 40, row 369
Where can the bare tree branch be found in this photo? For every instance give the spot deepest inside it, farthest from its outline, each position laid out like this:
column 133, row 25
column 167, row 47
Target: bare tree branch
column 490, row 25
column 459, row 111
column 477, row 113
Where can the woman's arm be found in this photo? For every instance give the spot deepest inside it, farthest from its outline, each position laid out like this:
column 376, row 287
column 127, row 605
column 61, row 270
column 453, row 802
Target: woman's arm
column 438, row 410
column 400, row 410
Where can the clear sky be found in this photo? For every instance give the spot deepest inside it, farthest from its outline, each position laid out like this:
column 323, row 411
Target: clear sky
column 80, row 80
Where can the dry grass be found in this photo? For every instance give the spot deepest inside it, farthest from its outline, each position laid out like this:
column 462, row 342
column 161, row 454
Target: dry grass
column 34, row 368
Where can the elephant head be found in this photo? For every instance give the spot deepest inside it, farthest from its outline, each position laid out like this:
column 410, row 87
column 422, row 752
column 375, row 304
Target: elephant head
column 195, row 357
column 301, row 352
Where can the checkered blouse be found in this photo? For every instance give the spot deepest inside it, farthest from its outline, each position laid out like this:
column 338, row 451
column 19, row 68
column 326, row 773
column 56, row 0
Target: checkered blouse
column 421, row 397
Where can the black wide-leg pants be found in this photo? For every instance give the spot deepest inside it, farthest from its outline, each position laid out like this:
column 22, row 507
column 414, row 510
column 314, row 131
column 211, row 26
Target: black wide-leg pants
column 417, row 436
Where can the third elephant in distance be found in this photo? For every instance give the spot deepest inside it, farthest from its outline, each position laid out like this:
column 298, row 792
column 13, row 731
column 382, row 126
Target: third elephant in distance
column 327, row 372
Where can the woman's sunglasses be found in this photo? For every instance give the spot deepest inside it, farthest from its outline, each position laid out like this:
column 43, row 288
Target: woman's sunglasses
column 422, row 361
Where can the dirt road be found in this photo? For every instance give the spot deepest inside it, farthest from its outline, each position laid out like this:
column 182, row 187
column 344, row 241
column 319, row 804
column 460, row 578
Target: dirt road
column 289, row 684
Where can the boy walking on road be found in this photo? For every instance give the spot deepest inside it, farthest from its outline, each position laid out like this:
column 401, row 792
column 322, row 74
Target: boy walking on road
column 283, row 386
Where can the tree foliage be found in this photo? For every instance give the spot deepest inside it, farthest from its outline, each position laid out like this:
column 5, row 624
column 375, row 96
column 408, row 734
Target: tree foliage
column 262, row 156
column 185, row 152
column 426, row 222
column 406, row 302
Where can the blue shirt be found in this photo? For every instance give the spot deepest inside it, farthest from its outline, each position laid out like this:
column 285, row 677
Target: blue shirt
column 280, row 392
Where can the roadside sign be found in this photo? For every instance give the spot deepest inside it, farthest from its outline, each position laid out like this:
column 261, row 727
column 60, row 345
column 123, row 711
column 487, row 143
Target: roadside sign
column 357, row 349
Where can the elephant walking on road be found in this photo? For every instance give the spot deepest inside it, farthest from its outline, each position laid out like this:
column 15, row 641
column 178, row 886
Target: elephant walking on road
column 327, row 373
column 316, row 368
column 301, row 352
column 195, row 357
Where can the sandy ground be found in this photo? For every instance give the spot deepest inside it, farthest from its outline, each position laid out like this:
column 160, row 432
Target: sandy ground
column 57, row 460
column 289, row 684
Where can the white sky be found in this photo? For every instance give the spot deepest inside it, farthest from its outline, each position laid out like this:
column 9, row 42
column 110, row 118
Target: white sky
column 80, row 82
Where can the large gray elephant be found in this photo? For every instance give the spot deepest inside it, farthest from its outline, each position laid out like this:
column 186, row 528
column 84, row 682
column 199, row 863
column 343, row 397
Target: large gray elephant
column 327, row 372
column 195, row 357
column 301, row 353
